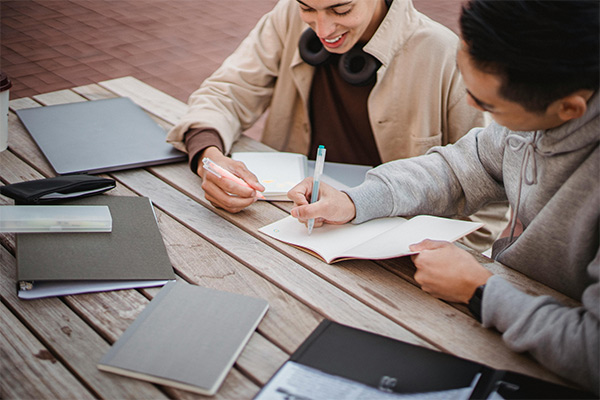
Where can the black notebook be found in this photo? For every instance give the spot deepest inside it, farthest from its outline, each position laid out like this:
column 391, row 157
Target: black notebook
column 337, row 360
column 188, row 337
column 98, row 136
column 133, row 255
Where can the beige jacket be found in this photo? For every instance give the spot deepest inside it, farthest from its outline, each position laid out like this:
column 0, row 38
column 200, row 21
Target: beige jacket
column 418, row 100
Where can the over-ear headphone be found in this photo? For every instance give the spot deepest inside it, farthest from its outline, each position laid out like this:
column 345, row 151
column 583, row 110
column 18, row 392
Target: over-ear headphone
column 356, row 67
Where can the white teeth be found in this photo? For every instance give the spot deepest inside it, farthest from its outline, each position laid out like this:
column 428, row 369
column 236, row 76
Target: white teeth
column 333, row 40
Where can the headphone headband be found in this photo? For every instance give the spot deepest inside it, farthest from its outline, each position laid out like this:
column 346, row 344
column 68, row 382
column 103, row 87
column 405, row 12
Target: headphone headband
column 355, row 66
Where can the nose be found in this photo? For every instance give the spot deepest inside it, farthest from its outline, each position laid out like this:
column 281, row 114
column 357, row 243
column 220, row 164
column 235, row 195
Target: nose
column 323, row 25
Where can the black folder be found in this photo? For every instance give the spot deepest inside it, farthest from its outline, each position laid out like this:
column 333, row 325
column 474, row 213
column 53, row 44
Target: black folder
column 394, row 366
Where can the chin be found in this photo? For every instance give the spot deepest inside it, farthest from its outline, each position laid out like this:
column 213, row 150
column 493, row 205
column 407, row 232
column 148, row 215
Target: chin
column 513, row 126
column 339, row 50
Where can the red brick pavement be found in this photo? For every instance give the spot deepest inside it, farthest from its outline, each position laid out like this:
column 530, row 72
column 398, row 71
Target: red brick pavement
column 49, row 45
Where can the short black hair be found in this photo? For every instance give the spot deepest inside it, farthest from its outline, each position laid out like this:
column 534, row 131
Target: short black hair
column 542, row 50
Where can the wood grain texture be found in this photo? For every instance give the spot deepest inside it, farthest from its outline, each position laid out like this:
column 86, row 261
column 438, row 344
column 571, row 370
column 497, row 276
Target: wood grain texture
column 448, row 327
column 110, row 313
column 28, row 369
column 213, row 248
column 69, row 337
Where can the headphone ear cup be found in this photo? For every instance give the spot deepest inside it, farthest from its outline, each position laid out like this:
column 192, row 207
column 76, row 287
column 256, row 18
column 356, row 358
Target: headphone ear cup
column 311, row 48
column 357, row 67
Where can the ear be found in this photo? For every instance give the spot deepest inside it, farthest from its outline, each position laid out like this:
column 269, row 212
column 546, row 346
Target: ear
column 573, row 106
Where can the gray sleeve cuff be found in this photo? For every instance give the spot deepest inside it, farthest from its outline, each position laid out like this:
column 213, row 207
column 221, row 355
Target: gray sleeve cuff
column 502, row 303
column 372, row 199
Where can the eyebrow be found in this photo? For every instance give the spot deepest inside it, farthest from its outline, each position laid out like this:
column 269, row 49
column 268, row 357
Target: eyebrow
column 480, row 103
column 332, row 6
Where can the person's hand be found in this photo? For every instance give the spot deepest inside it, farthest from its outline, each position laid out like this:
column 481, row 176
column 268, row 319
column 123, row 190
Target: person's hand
column 333, row 206
column 447, row 271
column 224, row 193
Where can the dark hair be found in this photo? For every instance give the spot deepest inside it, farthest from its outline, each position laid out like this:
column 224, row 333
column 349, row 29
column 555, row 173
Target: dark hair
column 542, row 50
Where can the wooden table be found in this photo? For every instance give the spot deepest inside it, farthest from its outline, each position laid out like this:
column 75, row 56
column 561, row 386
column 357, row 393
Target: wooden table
column 50, row 347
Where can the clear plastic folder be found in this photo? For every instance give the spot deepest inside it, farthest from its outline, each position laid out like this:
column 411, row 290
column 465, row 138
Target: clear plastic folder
column 55, row 218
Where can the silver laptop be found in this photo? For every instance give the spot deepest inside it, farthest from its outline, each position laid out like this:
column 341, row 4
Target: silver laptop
column 98, row 136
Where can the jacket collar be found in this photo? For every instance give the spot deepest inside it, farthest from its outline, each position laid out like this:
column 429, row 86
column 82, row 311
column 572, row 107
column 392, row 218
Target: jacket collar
column 396, row 28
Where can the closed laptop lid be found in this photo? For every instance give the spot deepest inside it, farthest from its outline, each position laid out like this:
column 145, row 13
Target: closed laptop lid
column 98, row 136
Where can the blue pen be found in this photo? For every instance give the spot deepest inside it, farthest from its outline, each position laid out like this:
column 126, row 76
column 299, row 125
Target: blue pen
column 316, row 180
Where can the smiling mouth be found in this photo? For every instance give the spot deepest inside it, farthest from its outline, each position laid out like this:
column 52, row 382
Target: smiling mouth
column 334, row 39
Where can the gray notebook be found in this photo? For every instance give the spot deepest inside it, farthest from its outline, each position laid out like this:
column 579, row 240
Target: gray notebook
column 98, row 136
column 132, row 255
column 188, row 337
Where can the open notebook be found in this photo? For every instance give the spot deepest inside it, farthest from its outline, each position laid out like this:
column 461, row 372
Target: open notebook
column 376, row 239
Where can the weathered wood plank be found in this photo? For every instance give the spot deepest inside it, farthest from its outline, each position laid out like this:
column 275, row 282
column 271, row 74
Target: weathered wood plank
column 59, row 97
column 24, row 102
column 68, row 337
column 235, row 386
column 28, row 369
column 79, row 347
column 94, row 92
column 384, row 292
column 272, row 265
column 22, row 144
column 288, row 320
column 157, row 103
column 262, row 362
column 110, row 313
column 13, row 170
column 132, row 89
column 398, row 299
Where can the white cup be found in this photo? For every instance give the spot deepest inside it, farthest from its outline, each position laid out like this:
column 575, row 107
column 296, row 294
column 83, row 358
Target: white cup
column 5, row 85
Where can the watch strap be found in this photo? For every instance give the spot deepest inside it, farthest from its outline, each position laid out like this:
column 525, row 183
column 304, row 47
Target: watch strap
column 476, row 301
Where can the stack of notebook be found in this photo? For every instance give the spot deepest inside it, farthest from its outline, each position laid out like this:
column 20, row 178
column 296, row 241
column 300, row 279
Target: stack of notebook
column 132, row 255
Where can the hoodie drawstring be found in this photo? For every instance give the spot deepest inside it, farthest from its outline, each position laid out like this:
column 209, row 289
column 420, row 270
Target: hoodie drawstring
column 516, row 143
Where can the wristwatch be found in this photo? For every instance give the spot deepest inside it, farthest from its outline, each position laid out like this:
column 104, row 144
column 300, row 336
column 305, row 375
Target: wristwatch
column 476, row 301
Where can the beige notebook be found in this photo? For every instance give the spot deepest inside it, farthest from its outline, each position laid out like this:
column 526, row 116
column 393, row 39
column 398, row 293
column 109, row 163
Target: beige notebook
column 188, row 337
column 277, row 172
column 377, row 239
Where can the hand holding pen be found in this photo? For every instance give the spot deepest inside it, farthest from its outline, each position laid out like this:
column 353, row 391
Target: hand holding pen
column 328, row 205
column 221, row 172
column 231, row 191
column 333, row 207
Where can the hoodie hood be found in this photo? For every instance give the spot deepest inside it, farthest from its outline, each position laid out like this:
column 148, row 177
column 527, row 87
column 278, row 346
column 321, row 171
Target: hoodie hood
column 570, row 137
column 574, row 134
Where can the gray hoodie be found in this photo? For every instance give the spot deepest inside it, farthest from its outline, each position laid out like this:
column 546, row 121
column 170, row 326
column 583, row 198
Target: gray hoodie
column 551, row 179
